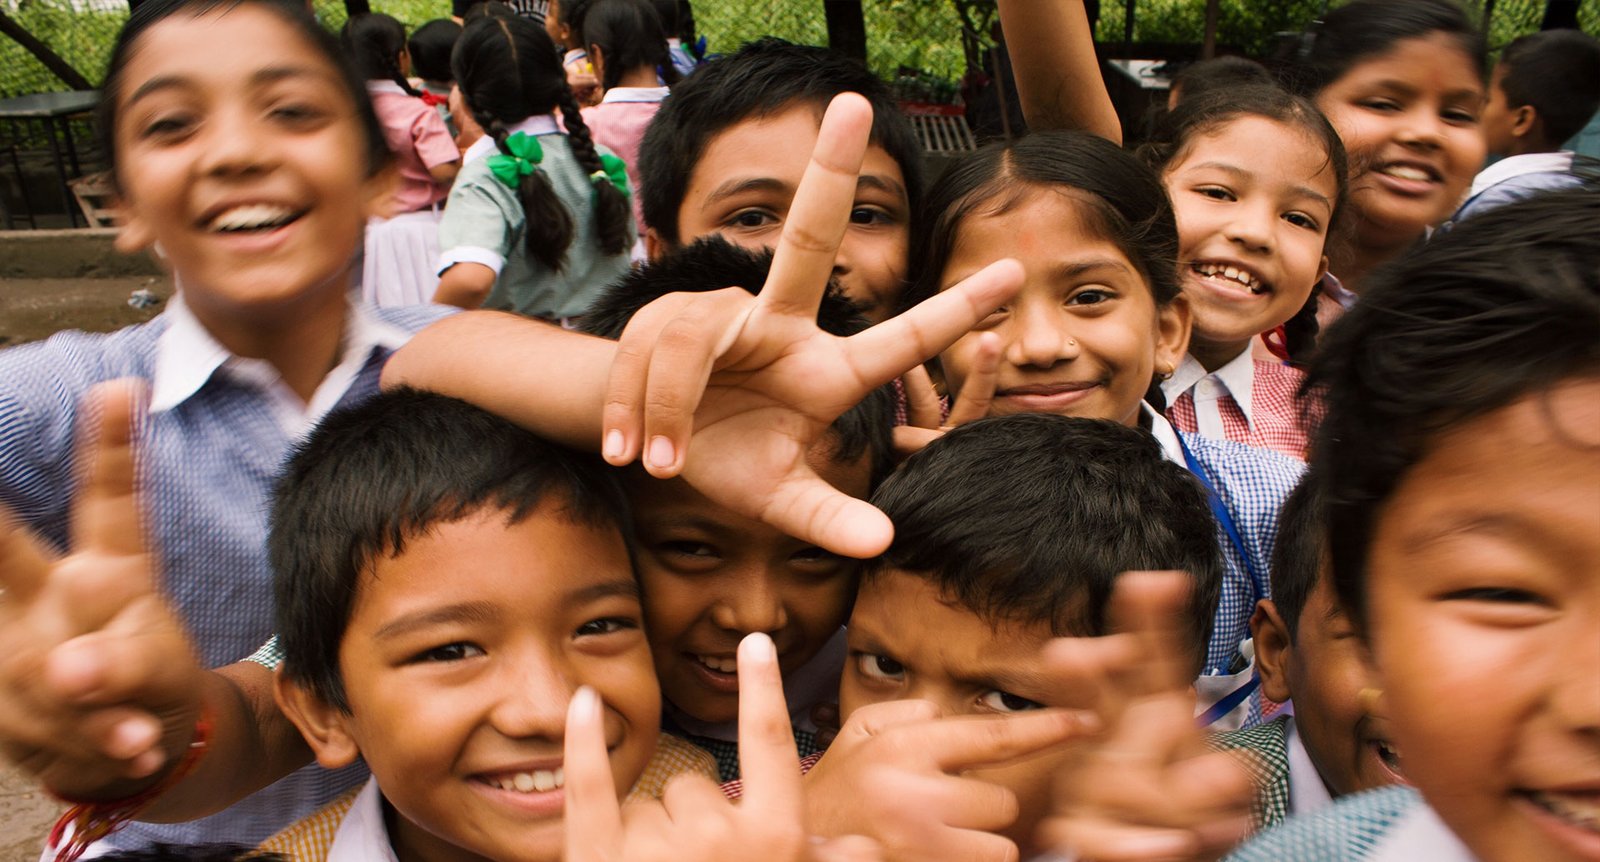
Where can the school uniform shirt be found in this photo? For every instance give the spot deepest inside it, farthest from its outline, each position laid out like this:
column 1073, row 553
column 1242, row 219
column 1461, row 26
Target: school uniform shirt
column 419, row 139
column 1516, row 178
column 1391, row 824
column 1247, row 400
column 619, row 122
column 211, row 443
column 682, row 60
column 812, row 684
column 352, row 828
column 484, row 223
column 1287, row 782
column 1251, row 485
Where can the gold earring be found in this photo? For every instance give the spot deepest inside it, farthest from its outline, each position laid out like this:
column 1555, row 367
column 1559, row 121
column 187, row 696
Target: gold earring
column 1369, row 698
column 1166, row 371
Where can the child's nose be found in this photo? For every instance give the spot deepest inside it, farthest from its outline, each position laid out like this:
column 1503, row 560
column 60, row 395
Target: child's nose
column 1422, row 128
column 1251, row 227
column 1040, row 339
column 231, row 143
column 531, row 700
column 753, row 608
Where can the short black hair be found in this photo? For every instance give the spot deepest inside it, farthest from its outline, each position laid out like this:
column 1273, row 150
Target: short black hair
column 1367, row 29
column 1557, row 72
column 1300, row 552
column 759, row 80
column 1030, row 518
column 430, row 46
column 1219, row 73
column 371, row 477
column 712, row 263
column 1503, row 306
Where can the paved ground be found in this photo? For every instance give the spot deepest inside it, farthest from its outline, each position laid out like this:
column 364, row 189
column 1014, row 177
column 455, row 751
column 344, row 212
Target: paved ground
column 31, row 309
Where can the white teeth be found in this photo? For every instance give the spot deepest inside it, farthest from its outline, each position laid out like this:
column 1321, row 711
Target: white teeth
column 1233, row 274
column 1406, row 172
column 251, row 217
column 1583, row 812
column 540, row 781
column 720, row 665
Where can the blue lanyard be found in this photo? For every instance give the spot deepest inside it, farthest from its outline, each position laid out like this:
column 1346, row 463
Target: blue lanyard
column 1258, row 583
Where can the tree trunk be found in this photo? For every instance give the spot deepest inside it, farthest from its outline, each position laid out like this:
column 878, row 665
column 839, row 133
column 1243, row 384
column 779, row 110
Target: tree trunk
column 352, row 8
column 51, row 60
column 847, row 30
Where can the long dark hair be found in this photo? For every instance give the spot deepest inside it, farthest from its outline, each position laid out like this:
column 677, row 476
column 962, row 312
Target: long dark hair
column 508, row 69
column 1209, row 111
column 1365, row 29
column 375, row 41
column 630, row 35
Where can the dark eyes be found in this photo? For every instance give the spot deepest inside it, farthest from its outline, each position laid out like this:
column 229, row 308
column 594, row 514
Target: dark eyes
column 880, row 667
column 1005, row 701
column 606, row 626
column 170, row 126
column 1215, row 193
column 450, row 652
column 752, row 219
column 868, row 216
column 700, row 550
column 1090, row 296
column 1497, row 595
column 1302, row 220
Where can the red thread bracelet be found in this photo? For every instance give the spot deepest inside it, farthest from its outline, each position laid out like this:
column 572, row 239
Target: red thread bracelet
column 92, row 821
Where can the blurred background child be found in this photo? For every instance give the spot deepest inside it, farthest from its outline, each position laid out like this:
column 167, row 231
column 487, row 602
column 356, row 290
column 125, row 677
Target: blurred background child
column 629, row 55
column 538, row 222
column 400, row 250
column 564, row 22
column 1543, row 91
column 677, row 19
column 430, row 46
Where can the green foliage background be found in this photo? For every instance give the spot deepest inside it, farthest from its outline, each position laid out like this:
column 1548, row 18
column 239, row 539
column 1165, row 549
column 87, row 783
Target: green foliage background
column 919, row 34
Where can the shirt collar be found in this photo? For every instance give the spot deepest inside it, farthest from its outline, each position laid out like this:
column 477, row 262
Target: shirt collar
column 1307, row 793
column 1165, row 434
column 536, row 125
column 634, row 94
column 1516, row 166
column 381, row 86
column 1420, row 834
column 1237, row 376
column 362, row 837
column 187, row 356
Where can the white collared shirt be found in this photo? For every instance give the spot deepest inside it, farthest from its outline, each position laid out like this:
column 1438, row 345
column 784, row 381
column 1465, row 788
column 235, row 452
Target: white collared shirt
column 539, row 124
column 1516, row 166
column 1307, row 793
column 362, row 835
column 1420, row 834
column 187, row 356
column 1235, row 379
column 1165, row 434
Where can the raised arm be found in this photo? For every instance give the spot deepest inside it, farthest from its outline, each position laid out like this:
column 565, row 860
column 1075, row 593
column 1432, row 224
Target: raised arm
column 1058, row 77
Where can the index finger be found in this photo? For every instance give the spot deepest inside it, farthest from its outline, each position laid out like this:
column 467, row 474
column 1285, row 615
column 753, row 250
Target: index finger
column 1149, row 606
column 961, row 743
column 768, row 761
column 592, row 813
column 105, row 514
column 817, row 217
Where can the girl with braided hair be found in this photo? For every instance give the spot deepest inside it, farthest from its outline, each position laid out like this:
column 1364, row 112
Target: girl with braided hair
column 538, row 221
column 402, row 242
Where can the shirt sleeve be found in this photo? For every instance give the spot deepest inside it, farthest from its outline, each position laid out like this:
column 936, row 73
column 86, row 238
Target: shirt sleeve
column 432, row 139
column 477, row 226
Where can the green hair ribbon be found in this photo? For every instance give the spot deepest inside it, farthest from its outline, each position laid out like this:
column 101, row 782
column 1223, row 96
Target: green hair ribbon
column 522, row 157
column 613, row 170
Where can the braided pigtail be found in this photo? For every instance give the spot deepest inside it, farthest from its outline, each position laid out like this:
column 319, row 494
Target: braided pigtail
column 612, row 214
column 547, row 225
column 375, row 43
column 1300, row 331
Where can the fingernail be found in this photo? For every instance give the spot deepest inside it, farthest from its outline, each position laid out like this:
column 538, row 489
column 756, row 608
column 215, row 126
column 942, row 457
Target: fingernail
column 758, row 649
column 612, row 450
column 661, row 454
column 585, row 704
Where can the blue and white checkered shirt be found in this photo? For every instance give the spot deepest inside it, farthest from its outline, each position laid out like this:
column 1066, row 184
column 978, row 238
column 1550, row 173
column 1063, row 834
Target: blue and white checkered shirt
column 217, row 430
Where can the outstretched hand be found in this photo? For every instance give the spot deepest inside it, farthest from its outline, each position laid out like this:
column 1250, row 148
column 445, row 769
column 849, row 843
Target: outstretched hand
column 1150, row 789
column 694, row 820
column 732, row 390
column 97, row 678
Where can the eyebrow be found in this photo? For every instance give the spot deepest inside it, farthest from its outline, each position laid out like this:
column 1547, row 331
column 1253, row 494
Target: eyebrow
column 269, row 75
column 466, row 612
column 604, row 590
column 1235, row 170
column 675, row 521
column 773, row 184
column 1451, row 525
column 1080, row 268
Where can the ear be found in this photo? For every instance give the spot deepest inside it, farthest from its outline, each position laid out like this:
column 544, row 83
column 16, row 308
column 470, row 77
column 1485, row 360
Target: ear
column 1322, row 271
column 324, row 726
column 654, row 245
column 1172, row 334
column 1523, row 120
column 597, row 59
column 1273, row 649
column 134, row 234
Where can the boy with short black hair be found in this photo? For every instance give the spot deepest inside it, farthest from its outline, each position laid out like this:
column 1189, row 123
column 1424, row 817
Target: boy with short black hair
column 1306, row 652
column 1009, row 532
column 1545, row 88
column 710, row 576
column 444, row 583
column 727, row 149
